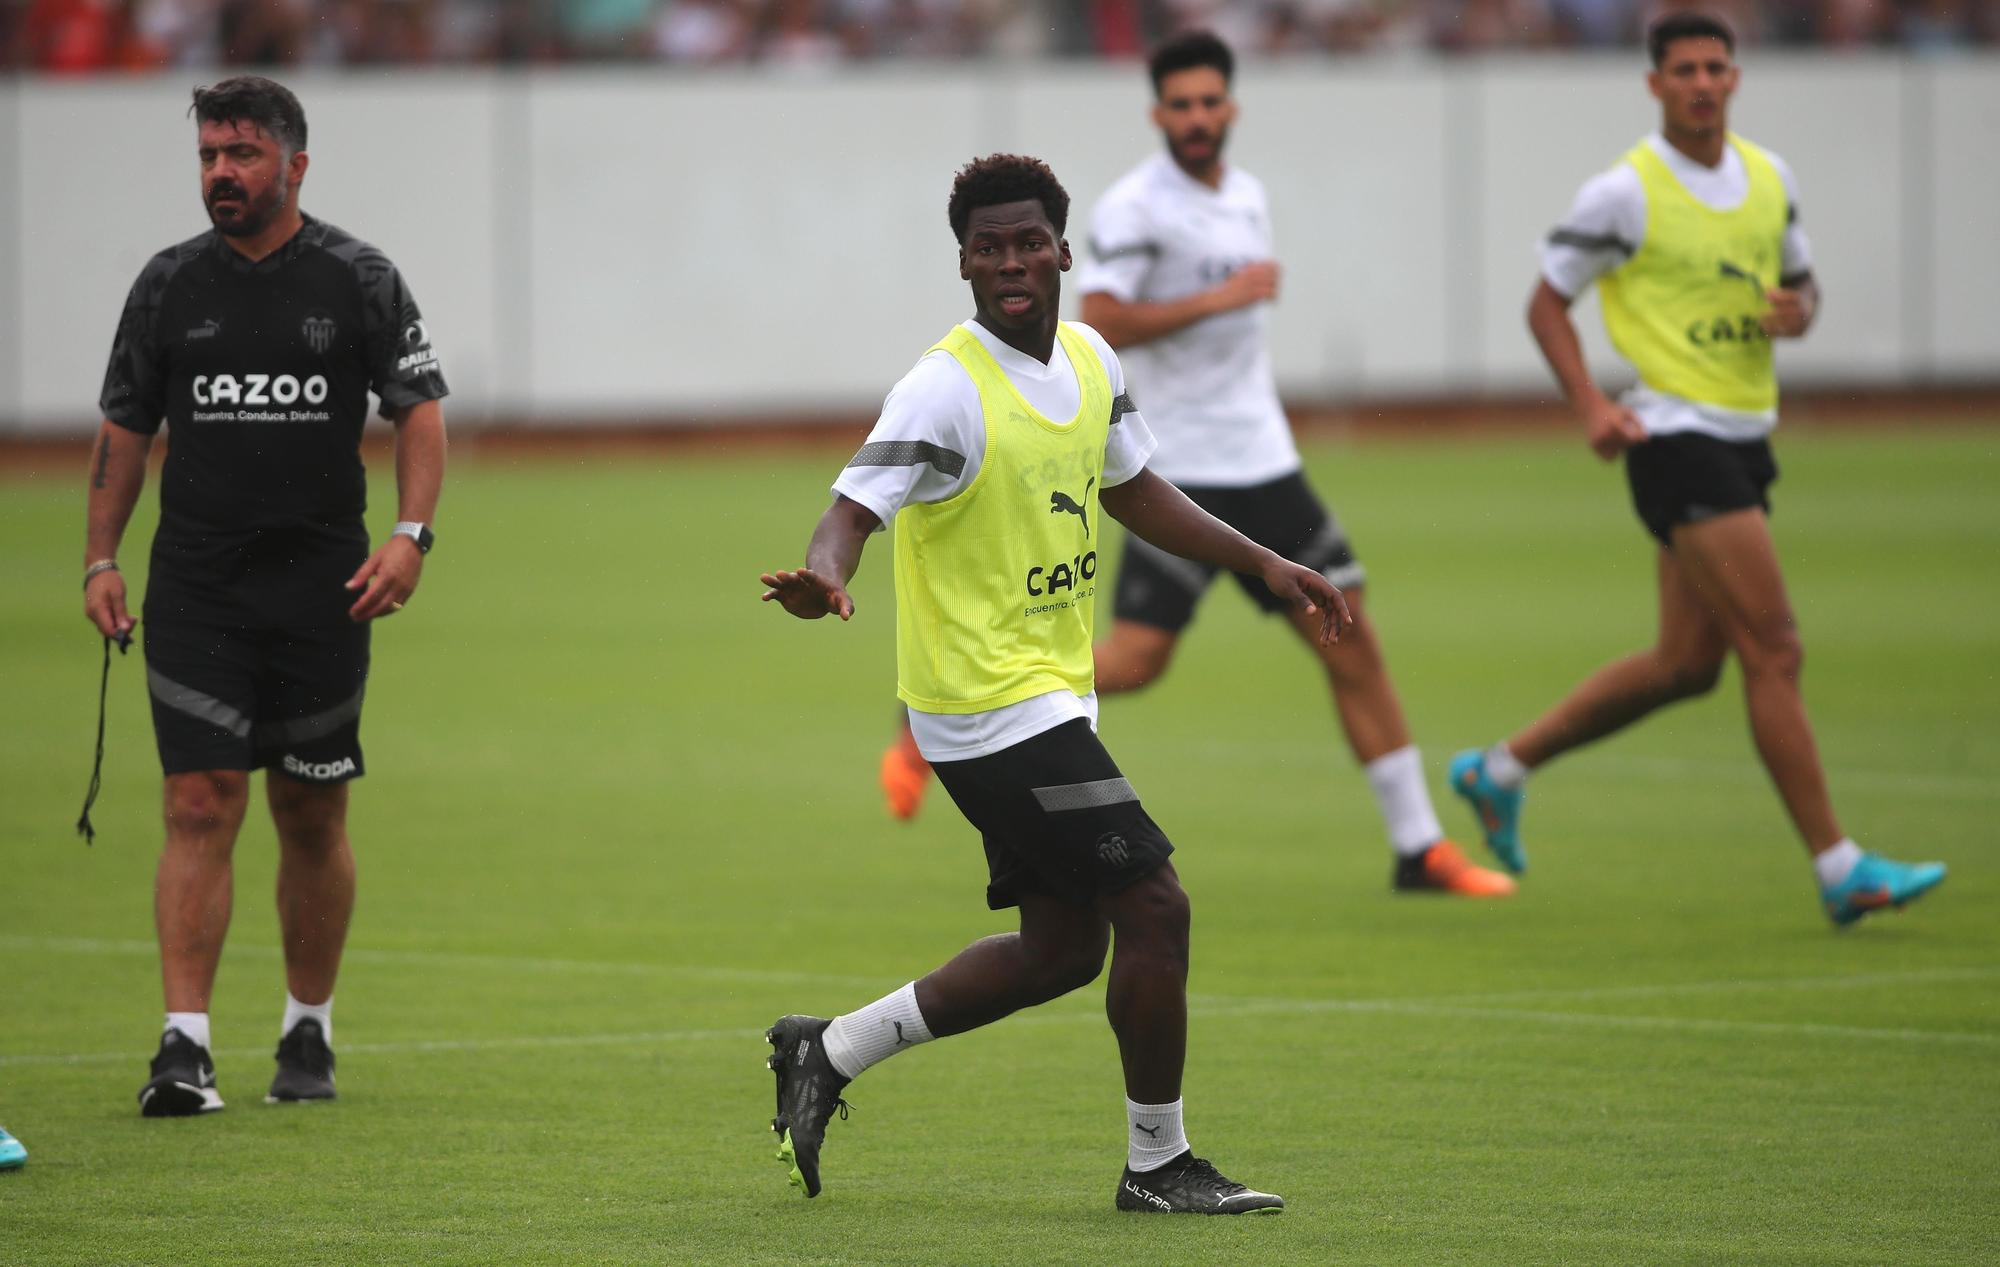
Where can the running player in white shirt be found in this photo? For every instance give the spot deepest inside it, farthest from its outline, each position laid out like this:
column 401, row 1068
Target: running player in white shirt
column 1694, row 243
column 1181, row 283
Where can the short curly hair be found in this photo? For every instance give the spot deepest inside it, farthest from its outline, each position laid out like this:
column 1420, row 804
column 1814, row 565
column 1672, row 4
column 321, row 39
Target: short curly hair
column 254, row 99
column 998, row 179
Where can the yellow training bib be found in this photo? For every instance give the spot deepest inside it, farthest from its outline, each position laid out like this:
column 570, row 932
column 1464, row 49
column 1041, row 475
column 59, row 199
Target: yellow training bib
column 995, row 586
column 1685, row 308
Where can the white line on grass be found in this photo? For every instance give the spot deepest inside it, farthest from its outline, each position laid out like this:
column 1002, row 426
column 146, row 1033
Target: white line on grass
column 1666, row 988
column 1204, row 1006
column 440, row 958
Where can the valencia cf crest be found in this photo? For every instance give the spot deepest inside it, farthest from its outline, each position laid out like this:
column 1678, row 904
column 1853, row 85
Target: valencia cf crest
column 319, row 333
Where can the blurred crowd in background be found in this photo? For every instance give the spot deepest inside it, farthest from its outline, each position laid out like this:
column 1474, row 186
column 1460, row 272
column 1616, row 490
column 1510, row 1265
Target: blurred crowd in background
column 89, row 36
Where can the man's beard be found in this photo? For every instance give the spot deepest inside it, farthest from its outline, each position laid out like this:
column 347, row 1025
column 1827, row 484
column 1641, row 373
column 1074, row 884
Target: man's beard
column 253, row 215
column 1216, row 141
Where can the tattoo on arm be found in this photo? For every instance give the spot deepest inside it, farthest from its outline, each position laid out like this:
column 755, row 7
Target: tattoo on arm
column 103, row 462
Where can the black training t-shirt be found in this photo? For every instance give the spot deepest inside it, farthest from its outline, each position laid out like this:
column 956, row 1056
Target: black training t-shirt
column 261, row 372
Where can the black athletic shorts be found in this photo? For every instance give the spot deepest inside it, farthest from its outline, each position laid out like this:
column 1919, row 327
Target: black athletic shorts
column 234, row 695
column 1057, row 818
column 1160, row 589
column 1686, row 477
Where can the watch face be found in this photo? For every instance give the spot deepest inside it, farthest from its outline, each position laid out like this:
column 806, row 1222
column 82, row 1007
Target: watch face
column 425, row 539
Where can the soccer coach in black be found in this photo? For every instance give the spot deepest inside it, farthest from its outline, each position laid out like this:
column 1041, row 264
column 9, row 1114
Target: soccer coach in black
column 257, row 344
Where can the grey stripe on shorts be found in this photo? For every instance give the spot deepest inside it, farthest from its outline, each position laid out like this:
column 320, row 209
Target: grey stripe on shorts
column 314, row 726
column 1093, row 795
column 185, row 699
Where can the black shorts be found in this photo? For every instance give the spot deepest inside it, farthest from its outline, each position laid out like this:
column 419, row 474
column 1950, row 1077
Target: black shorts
column 1160, row 589
column 1686, row 477
column 1057, row 818
column 231, row 696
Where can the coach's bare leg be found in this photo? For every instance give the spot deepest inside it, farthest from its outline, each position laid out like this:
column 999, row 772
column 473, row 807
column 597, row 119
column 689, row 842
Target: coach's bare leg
column 1059, row 948
column 193, row 886
column 1685, row 662
column 1146, row 997
column 1734, row 563
column 1370, row 714
column 315, row 881
column 1133, row 656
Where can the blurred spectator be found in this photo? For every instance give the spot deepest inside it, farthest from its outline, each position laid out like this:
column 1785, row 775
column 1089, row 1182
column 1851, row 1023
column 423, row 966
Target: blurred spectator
column 798, row 34
column 703, row 32
column 605, row 29
column 1936, row 25
column 1596, row 23
column 74, row 37
column 1478, row 26
column 262, row 32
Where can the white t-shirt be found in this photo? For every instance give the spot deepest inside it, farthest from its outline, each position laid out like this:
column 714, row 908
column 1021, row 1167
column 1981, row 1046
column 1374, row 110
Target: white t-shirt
column 933, row 434
column 1605, row 227
column 1159, row 235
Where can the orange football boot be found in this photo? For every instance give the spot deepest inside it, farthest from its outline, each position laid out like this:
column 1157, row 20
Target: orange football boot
column 906, row 776
column 1443, row 868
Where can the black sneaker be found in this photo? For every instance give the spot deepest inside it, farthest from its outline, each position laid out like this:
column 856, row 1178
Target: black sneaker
column 1189, row 1185
column 808, row 1095
column 183, row 1081
column 305, row 1066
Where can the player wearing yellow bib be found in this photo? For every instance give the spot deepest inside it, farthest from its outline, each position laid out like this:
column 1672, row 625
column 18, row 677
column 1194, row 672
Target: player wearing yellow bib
column 996, row 456
column 1694, row 244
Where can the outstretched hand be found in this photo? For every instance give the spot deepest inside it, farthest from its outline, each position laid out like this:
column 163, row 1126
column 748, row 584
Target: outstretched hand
column 807, row 595
column 1309, row 592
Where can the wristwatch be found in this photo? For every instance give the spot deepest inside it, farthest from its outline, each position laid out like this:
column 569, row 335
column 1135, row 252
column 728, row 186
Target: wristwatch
column 419, row 533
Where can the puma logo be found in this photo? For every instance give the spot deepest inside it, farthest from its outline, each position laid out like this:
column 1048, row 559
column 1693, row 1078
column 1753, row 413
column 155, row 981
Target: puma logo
column 1730, row 270
column 1060, row 503
column 1154, row 1131
column 900, row 1040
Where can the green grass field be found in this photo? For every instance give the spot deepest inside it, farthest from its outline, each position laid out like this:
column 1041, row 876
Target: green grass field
column 619, row 815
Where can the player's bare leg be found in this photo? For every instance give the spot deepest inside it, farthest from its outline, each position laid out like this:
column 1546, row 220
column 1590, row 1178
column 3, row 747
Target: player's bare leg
column 1734, row 564
column 192, row 893
column 315, row 905
column 1685, row 661
column 1371, row 717
column 1134, row 656
column 315, row 881
column 194, row 887
column 1059, row 948
column 1146, row 996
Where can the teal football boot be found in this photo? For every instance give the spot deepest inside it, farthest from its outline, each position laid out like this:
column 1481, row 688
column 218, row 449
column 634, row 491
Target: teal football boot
column 1497, row 808
column 12, row 1155
column 1877, row 883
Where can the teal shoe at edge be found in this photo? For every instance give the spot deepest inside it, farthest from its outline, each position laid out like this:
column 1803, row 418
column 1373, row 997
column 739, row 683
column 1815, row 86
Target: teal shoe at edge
column 11, row 1152
column 1876, row 884
column 1497, row 808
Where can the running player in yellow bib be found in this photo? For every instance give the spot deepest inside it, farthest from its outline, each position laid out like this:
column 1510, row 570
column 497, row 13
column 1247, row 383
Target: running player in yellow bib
column 995, row 456
column 1693, row 242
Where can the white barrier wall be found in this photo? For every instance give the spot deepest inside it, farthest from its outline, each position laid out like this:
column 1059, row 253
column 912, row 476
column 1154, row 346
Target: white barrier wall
column 635, row 244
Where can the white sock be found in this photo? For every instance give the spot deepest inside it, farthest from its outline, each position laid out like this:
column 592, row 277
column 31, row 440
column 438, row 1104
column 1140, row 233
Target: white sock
column 1503, row 767
column 1836, row 862
column 296, row 1011
column 193, row 1024
column 1156, row 1134
column 1398, row 780
column 870, row 1035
